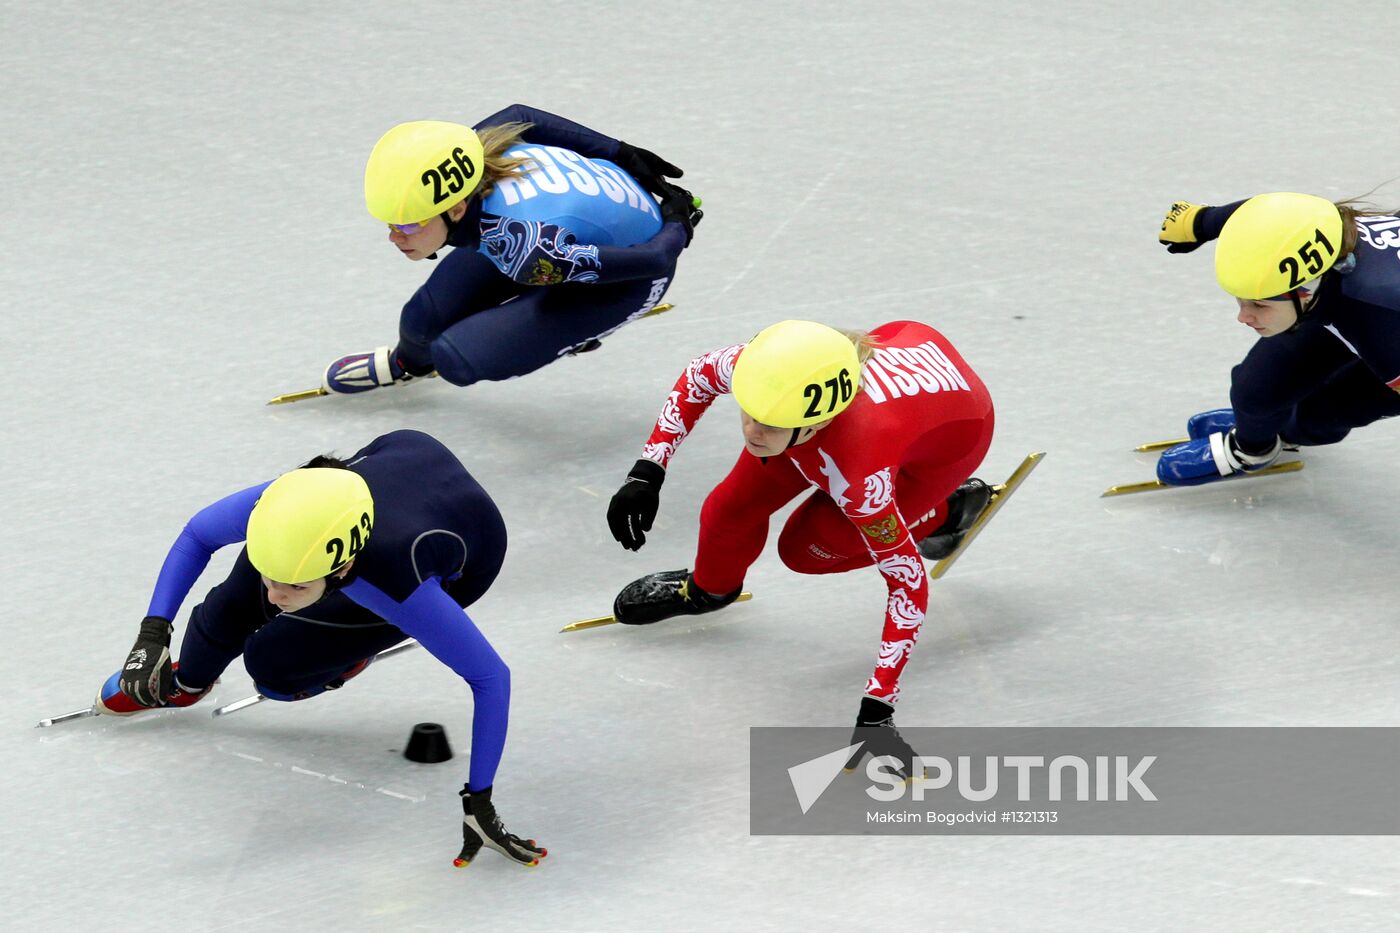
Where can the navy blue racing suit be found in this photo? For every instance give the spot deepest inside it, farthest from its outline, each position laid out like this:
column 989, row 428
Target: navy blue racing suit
column 545, row 262
column 437, row 544
column 1340, row 367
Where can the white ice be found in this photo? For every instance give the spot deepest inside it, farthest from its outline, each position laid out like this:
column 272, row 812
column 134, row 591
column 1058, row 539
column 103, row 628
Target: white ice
column 185, row 237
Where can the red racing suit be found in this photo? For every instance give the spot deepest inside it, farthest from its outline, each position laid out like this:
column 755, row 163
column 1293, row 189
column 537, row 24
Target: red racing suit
column 920, row 424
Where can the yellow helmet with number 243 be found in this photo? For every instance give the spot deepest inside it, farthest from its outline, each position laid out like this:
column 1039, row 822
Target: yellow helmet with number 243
column 418, row 170
column 796, row 373
column 309, row 523
column 1273, row 243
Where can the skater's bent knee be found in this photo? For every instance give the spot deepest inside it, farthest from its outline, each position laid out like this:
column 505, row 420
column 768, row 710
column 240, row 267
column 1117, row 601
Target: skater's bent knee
column 801, row 555
column 452, row 365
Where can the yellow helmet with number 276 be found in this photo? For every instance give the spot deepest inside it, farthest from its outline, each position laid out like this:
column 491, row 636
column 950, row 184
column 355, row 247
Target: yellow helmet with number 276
column 418, row 170
column 1273, row 243
column 309, row 523
column 796, row 373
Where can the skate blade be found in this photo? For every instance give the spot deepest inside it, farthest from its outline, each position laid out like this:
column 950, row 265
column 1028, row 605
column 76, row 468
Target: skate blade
column 237, row 705
column 659, row 309
column 1161, row 445
column 611, row 620
column 297, row 396
column 322, row 390
column 1000, row 494
column 1127, row 489
column 67, row 717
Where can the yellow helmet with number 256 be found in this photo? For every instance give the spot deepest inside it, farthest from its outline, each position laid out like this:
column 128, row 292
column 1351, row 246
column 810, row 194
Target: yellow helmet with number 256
column 309, row 523
column 418, row 170
column 796, row 373
column 1273, row 243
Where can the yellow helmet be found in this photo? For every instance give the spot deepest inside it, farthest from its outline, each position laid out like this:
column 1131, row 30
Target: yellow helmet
column 309, row 523
column 418, row 170
column 1273, row 243
column 796, row 373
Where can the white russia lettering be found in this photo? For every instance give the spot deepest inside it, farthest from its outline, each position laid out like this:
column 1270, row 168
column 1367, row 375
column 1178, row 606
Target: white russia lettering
column 893, row 372
column 555, row 171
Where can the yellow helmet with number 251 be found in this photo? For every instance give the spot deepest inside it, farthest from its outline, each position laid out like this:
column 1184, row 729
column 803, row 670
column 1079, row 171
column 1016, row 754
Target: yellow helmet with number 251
column 309, row 523
column 796, row 373
column 1273, row 243
column 418, row 170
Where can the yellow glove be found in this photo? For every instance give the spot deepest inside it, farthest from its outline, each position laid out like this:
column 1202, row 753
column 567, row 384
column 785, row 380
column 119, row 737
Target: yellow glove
column 1179, row 227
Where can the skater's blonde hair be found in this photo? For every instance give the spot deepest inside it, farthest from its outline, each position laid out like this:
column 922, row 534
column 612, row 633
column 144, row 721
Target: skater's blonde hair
column 495, row 142
column 866, row 345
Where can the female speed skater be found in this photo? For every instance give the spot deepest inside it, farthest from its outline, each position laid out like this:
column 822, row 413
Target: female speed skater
column 1319, row 282
column 342, row 559
column 887, row 426
column 559, row 243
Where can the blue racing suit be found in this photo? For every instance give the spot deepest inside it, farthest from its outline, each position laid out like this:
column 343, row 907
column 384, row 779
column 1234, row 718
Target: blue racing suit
column 437, row 544
column 565, row 253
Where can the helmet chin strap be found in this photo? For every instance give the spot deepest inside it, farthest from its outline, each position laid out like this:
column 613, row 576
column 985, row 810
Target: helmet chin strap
column 1299, row 308
column 451, row 225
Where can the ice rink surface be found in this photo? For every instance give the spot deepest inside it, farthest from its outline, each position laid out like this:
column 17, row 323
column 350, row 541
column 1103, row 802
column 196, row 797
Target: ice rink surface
column 186, row 237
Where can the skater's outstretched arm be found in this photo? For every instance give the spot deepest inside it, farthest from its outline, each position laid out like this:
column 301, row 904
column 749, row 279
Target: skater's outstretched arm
column 449, row 634
column 1186, row 226
column 704, row 380
column 896, row 555
column 633, row 508
column 222, row 523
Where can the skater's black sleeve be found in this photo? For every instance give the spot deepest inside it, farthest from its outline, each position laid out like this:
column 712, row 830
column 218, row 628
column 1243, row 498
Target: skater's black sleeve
column 553, row 130
column 1211, row 220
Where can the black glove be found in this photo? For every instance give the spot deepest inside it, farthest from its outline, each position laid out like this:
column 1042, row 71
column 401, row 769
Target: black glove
column 481, row 825
column 146, row 675
column 648, row 168
column 875, row 728
column 680, row 206
column 633, row 507
column 1181, row 231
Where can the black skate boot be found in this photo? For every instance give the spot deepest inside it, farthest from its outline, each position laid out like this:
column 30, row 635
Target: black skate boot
column 964, row 505
column 662, row 595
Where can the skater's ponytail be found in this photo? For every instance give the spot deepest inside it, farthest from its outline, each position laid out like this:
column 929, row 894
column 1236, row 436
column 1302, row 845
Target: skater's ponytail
column 495, row 142
column 866, row 345
column 1351, row 209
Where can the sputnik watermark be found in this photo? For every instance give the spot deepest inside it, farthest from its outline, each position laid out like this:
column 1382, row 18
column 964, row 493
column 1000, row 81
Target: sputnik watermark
column 1113, row 778
column 1079, row 781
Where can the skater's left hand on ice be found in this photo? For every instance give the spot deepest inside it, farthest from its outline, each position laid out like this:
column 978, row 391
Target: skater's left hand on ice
column 1179, row 233
column 481, row 826
column 875, row 730
column 146, row 676
column 633, row 508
